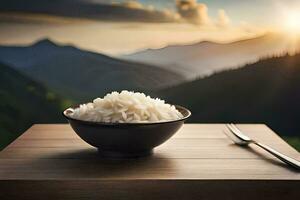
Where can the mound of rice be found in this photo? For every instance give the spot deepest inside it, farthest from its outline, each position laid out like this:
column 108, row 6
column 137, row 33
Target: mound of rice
column 125, row 107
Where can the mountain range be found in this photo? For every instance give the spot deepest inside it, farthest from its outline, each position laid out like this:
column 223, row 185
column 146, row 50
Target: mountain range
column 267, row 91
column 24, row 102
column 82, row 75
column 205, row 58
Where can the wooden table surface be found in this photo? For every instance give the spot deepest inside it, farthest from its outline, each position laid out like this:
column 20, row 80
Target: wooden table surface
column 199, row 162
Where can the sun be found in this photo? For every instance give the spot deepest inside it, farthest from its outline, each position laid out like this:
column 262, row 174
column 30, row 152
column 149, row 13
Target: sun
column 292, row 22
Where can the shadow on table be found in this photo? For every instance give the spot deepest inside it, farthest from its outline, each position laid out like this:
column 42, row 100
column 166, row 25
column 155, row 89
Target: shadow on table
column 89, row 163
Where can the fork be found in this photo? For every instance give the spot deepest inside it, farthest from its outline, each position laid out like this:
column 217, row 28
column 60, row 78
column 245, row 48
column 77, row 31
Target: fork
column 242, row 139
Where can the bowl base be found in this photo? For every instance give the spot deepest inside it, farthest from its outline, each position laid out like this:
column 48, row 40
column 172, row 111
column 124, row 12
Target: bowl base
column 123, row 154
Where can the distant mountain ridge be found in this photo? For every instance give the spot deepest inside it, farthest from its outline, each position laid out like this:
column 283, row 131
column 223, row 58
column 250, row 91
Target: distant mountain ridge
column 24, row 102
column 267, row 91
column 83, row 75
column 23, row 56
column 205, row 58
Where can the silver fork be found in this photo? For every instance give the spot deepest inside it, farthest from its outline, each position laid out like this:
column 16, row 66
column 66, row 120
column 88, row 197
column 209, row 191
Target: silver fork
column 242, row 139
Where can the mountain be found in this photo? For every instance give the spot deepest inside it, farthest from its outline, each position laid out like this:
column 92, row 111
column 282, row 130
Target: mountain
column 267, row 91
column 24, row 102
column 83, row 75
column 24, row 56
column 205, row 58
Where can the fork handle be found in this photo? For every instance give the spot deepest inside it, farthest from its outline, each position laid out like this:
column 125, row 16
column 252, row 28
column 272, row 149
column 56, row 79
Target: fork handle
column 288, row 160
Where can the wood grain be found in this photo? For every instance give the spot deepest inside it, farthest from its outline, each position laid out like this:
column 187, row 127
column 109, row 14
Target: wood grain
column 149, row 189
column 199, row 161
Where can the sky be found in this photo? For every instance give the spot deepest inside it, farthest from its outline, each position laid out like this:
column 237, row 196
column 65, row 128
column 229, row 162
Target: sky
column 259, row 12
column 117, row 27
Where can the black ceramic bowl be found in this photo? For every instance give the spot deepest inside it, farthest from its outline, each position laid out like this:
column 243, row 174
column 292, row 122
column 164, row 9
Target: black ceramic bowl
column 126, row 139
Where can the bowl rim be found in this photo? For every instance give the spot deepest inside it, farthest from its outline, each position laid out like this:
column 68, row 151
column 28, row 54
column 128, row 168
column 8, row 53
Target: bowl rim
column 189, row 113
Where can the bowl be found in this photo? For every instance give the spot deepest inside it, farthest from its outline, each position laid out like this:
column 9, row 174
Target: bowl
column 126, row 140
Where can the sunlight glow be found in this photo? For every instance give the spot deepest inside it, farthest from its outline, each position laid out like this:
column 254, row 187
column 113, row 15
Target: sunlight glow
column 292, row 22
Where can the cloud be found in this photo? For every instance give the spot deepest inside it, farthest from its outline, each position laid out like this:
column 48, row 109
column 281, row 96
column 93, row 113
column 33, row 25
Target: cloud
column 130, row 11
column 250, row 28
column 132, row 4
column 193, row 12
column 135, row 11
column 223, row 20
column 197, row 13
column 187, row 11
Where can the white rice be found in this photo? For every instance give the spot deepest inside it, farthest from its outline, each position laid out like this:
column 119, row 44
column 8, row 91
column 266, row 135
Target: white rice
column 125, row 107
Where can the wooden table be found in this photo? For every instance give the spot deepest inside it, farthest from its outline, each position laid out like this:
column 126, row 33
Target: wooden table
column 199, row 162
